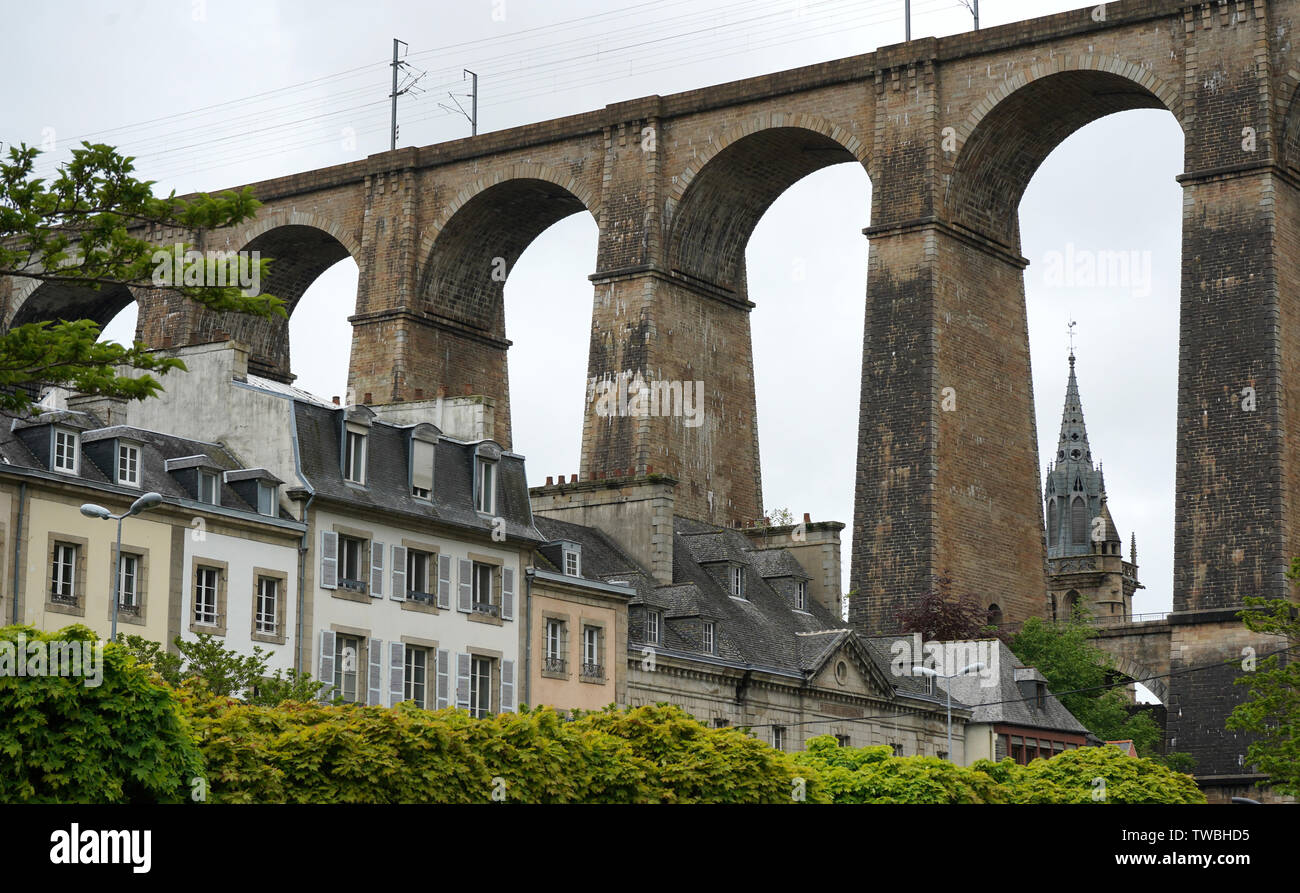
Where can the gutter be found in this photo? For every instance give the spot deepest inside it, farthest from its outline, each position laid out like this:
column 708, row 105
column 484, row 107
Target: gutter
column 306, row 531
column 529, row 572
column 18, row 538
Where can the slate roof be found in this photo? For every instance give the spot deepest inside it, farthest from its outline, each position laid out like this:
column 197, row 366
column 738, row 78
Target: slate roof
column 1005, row 703
column 761, row 631
column 387, row 486
column 155, row 449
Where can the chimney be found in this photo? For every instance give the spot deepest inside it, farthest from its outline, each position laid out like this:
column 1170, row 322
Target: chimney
column 336, row 400
column 366, row 399
column 549, row 480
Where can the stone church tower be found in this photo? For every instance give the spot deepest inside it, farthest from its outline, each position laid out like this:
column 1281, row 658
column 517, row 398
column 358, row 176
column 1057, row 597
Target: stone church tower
column 1085, row 564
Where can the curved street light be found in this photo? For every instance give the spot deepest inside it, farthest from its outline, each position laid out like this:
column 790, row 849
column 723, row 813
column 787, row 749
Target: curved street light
column 927, row 671
column 91, row 510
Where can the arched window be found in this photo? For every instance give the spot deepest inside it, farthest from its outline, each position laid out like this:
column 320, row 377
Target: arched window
column 995, row 615
column 1079, row 523
column 1053, row 599
column 1071, row 602
column 1053, row 524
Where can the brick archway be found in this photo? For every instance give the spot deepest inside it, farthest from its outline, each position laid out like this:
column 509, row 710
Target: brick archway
column 716, row 202
column 1007, row 135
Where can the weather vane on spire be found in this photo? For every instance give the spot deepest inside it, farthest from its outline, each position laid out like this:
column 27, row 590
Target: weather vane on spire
column 1070, row 328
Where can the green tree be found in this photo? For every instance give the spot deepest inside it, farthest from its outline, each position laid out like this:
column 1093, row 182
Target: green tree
column 1272, row 710
column 1078, row 673
column 63, row 740
column 84, row 228
column 222, row 671
column 1093, row 775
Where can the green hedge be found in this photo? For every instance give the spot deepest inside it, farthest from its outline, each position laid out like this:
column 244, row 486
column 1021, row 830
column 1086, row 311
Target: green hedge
column 135, row 738
column 61, row 741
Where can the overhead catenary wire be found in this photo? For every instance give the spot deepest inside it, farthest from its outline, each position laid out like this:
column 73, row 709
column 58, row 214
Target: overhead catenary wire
column 511, row 86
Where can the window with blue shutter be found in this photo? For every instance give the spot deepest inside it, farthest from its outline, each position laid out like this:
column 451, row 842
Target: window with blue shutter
column 508, row 593
column 462, row 680
column 507, row 686
column 399, row 574
column 444, row 681
column 444, row 582
column 375, row 676
column 376, row 570
column 329, row 564
column 396, row 674
column 465, row 599
column 325, row 665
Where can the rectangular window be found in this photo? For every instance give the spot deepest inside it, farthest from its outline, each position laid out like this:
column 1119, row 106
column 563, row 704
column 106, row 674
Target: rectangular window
column 208, row 490
column 268, row 605
column 572, row 562
column 421, row 469
column 65, row 450
column 351, row 554
column 354, row 458
column 778, row 737
column 128, row 465
column 483, row 601
column 593, row 658
column 417, row 572
column 720, row 722
column 485, row 487
column 266, row 501
column 844, row 742
column 417, row 663
column 347, row 654
column 555, row 646
column 738, row 582
column 709, row 640
column 205, row 596
column 801, row 596
column 480, row 686
column 63, row 574
column 652, row 627
column 128, row 576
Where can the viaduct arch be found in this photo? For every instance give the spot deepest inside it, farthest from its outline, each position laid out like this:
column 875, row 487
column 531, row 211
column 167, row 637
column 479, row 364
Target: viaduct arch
column 949, row 130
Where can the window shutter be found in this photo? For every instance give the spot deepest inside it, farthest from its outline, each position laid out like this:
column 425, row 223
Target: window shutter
column 396, row 673
column 375, row 664
column 329, row 564
column 462, row 681
column 444, row 582
column 507, row 593
column 466, row 598
column 326, row 663
column 399, row 574
column 444, row 682
column 376, row 570
column 507, row 686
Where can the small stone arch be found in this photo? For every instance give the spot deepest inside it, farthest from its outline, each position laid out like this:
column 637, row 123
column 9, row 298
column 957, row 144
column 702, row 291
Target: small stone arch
column 1149, row 679
column 239, row 237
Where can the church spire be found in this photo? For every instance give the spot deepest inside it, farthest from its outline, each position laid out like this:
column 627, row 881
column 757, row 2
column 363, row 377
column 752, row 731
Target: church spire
column 1073, row 443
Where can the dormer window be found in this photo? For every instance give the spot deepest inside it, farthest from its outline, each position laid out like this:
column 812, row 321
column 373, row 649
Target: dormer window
column 266, row 498
column 66, row 451
column 209, row 492
column 485, row 486
column 801, row 596
column 573, row 560
column 652, row 627
column 354, row 457
column 738, row 581
column 128, row 464
column 710, row 637
column 422, row 452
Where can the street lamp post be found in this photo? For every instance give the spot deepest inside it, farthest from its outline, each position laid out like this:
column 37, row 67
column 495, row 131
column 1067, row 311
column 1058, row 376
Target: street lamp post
column 90, row 510
column 926, row 671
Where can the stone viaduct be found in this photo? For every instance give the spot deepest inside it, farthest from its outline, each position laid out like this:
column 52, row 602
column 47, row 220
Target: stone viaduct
column 950, row 131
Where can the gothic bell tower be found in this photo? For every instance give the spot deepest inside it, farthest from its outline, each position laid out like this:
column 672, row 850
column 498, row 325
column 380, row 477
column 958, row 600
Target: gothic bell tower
column 1085, row 564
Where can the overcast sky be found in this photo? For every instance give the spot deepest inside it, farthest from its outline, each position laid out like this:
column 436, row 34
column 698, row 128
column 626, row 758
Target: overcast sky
column 214, row 94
